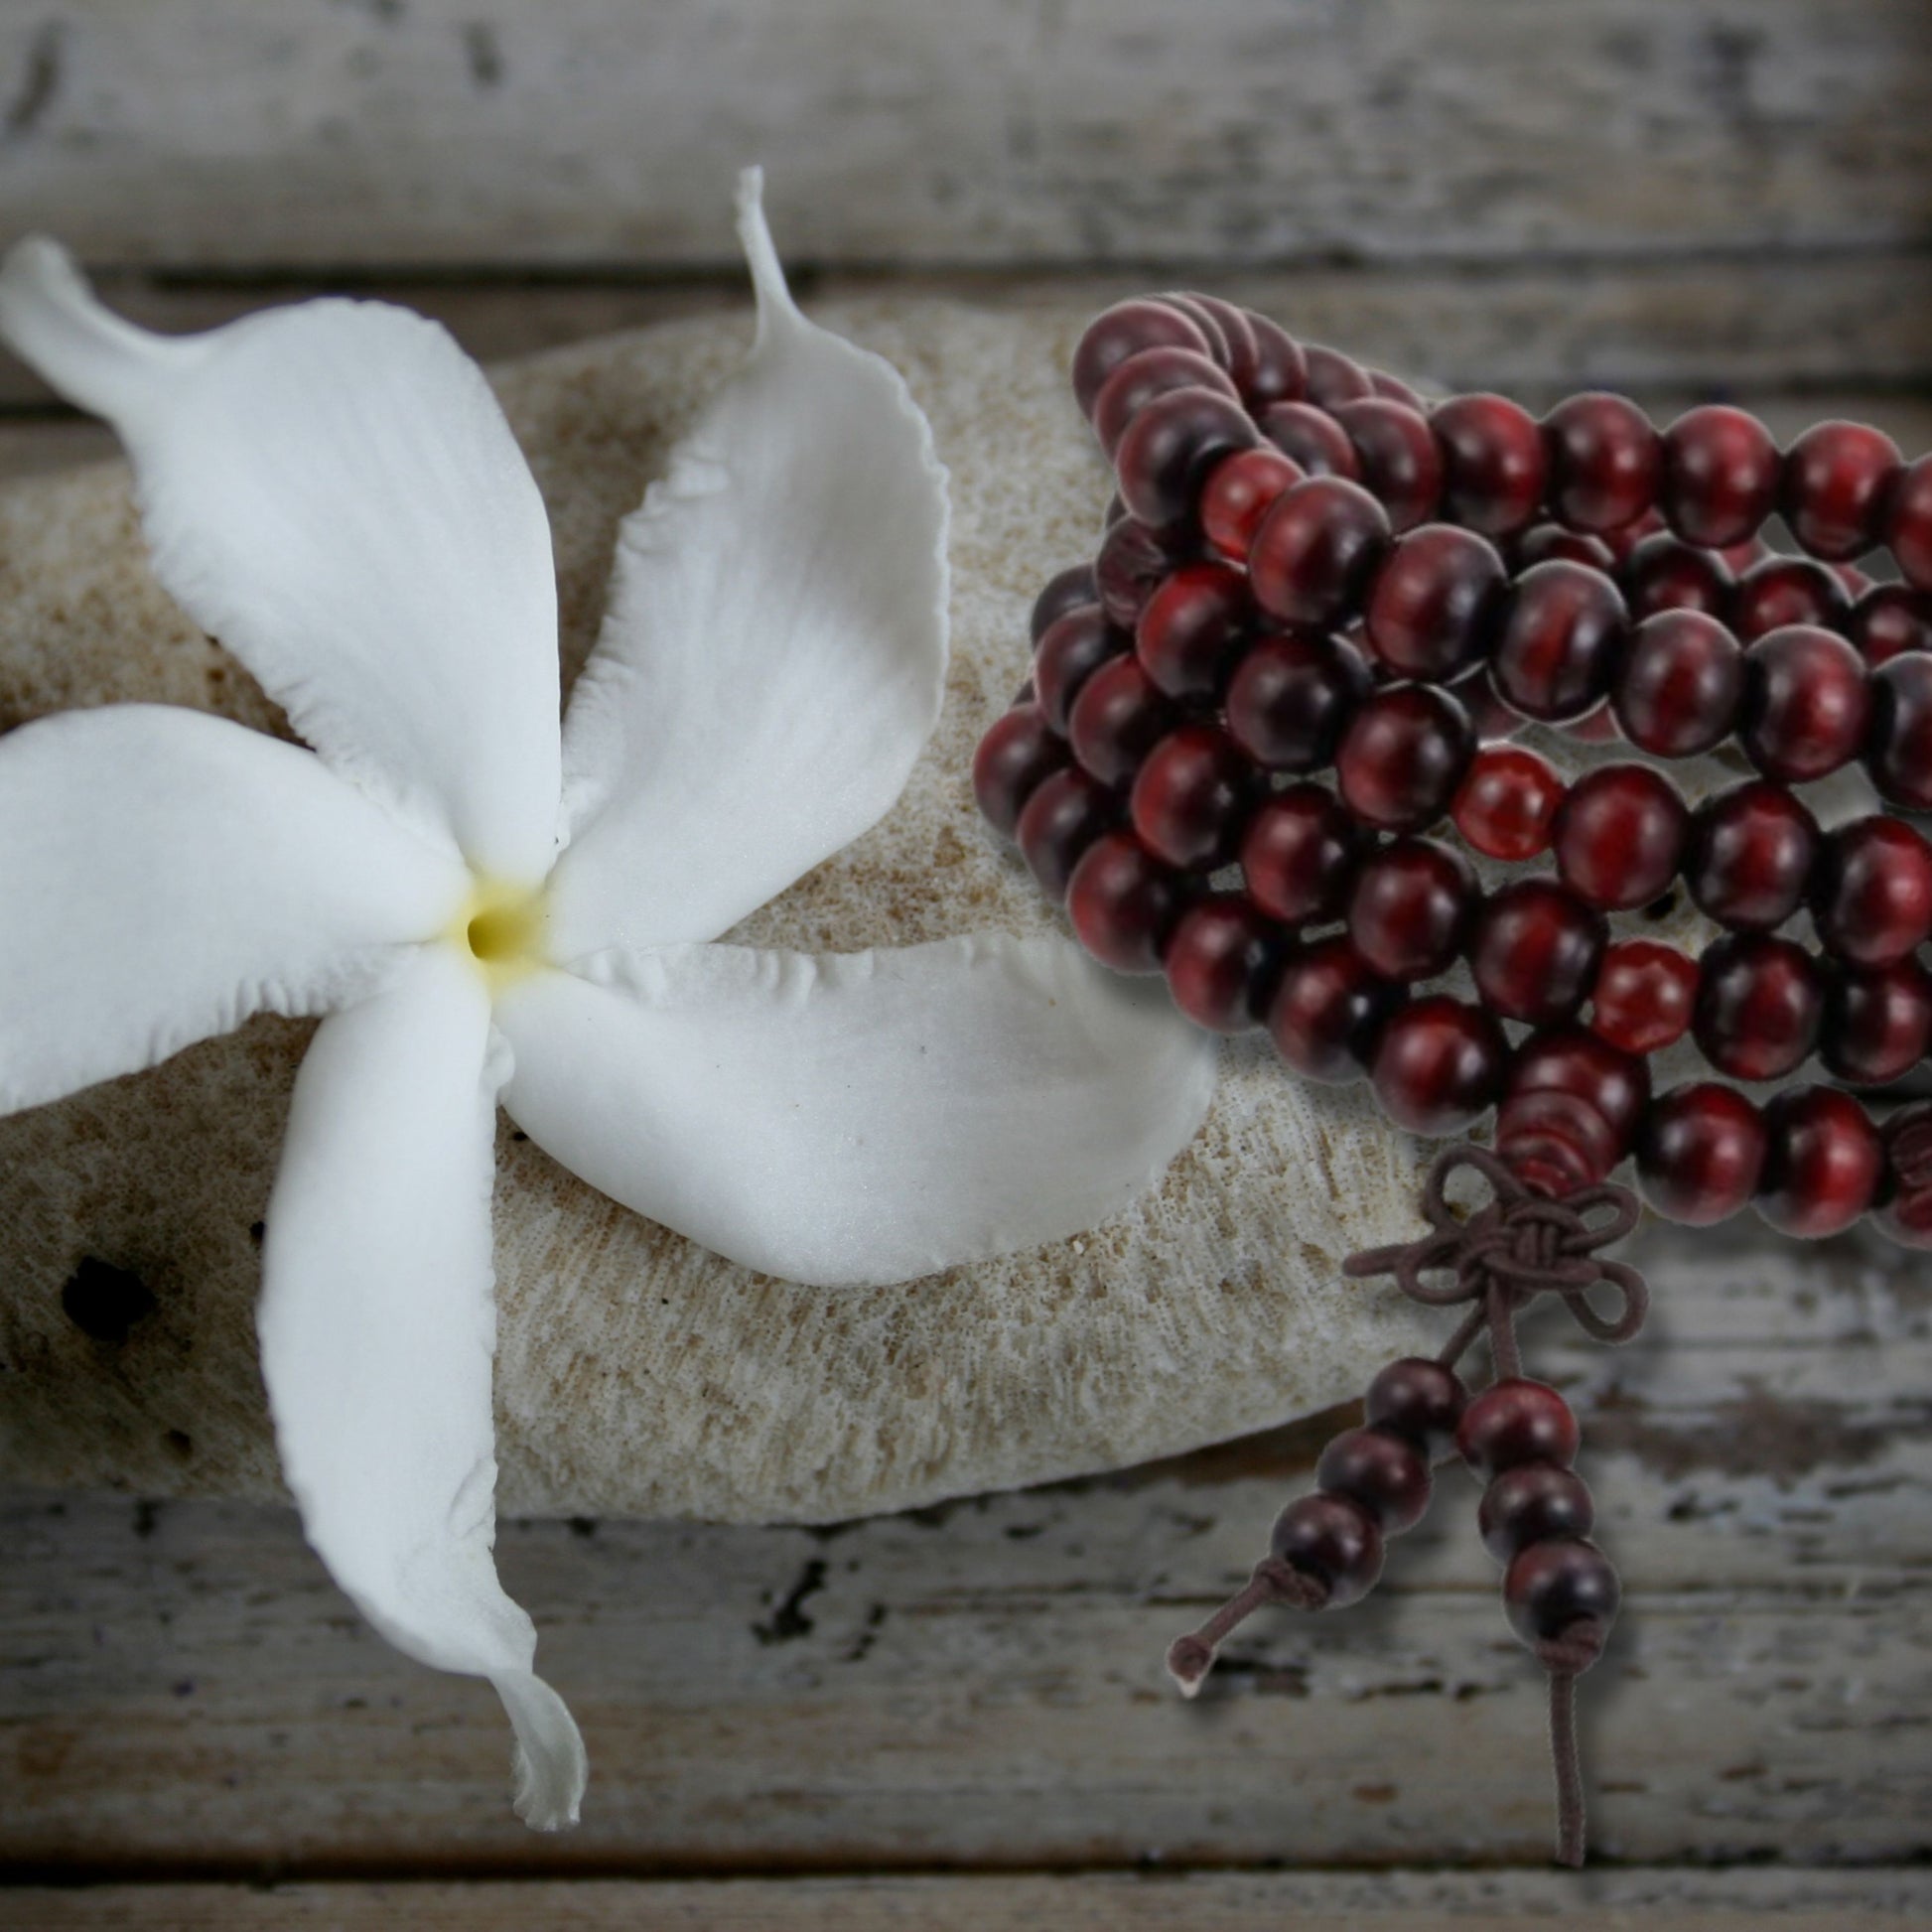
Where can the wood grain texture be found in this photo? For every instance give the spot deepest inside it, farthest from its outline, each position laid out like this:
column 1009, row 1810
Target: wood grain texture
column 1623, row 1901
column 182, row 1688
column 256, row 132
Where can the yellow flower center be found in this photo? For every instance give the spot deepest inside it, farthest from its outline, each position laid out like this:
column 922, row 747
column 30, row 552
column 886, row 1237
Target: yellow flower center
column 502, row 929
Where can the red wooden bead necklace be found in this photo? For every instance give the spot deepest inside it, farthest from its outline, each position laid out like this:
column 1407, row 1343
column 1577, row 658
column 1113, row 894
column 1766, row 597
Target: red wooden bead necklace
column 1320, row 610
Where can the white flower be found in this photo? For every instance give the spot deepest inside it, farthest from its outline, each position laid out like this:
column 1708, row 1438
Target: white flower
column 490, row 909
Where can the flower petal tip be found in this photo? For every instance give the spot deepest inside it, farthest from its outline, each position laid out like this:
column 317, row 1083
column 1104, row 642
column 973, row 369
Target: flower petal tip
column 760, row 252
column 550, row 1766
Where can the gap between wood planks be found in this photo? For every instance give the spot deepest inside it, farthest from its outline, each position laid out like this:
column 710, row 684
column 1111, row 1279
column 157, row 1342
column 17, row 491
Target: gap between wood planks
column 1628, row 1901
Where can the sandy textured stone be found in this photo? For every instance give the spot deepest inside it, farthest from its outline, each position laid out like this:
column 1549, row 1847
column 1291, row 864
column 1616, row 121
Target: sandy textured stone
column 638, row 1373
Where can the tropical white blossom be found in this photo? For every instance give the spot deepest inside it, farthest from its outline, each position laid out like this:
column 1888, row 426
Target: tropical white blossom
column 489, row 907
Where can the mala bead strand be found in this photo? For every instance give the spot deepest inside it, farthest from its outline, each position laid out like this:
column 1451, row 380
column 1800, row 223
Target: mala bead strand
column 1309, row 570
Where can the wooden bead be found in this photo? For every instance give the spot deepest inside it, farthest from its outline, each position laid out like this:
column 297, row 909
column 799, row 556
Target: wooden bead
column 1515, row 1422
column 1552, row 1587
column 1420, row 1401
column 1618, row 836
column 1381, row 1471
column 1821, row 1164
column 1535, row 1502
column 1699, row 1150
column 1220, row 963
column 1507, row 803
column 1332, row 1540
column 1329, row 1012
column 1439, row 1065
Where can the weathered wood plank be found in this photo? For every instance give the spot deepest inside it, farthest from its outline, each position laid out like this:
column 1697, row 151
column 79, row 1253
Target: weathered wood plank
column 1769, row 324
column 389, row 131
column 981, row 1683
column 1608, row 1902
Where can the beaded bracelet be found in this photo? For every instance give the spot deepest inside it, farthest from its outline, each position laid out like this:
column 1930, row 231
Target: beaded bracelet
column 1309, row 570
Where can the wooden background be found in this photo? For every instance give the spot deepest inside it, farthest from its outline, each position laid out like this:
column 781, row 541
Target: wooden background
column 957, row 1718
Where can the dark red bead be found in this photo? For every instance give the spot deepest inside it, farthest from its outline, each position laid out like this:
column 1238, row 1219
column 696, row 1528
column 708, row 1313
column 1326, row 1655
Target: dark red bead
column 1297, row 855
column 1904, row 1201
column 1328, row 1011
column 1310, row 438
column 1126, row 329
column 1382, row 1472
column 1823, row 1160
column 1243, row 352
column 1534, row 951
column 1123, row 902
column 1759, row 1001
column 1551, row 1588
column 1618, row 836
column 1394, row 389
column 1419, row 1400
column 1065, row 814
column 1171, row 446
column 1559, row 638
column 1335, row 1541
column 1721, row 476
column 1508, row 802
column 1403, row 757
column 1898, row 732
column 1220, row 963
column 1572, row 1060
column 1545, row 543
column 1134, row 384
column 1117, row 720
column 1068, row 589
column 1019, row 751
column 1877, row 1021
column 1070, row 650
column 1749, row 856
column 1317, row 551
column 1434, row 602
column 1408, row 907
column 1807, row 699
column 1398, row 461
column 1494, row 467
column 1239, row 492
column 1678, row 684
column 1131, row 563
column 1887, row 621
column 1644, row 996
column 1664, row 573
column 1515, row 1422
column 1872, row 895
column 1439, row 1065
column 1336, row 378
column 1191, row 796
column 1781, row 591
column 1192, row 629
column 1205, row 319
column 1836, row 476
column 1604, row 458
column 1535, row 1502
column 1907, row 523
column 1281, row 371
column 1291, row 697
column 1699, row 1153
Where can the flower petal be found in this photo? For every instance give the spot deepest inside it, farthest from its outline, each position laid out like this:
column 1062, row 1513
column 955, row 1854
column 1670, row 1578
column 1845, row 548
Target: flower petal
column 775, row 651
column 378, row 1328
column 164, row 874
column 858, row 1117
column 332, row 491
